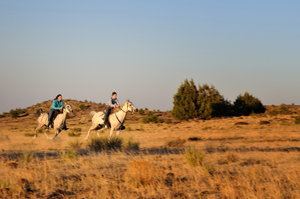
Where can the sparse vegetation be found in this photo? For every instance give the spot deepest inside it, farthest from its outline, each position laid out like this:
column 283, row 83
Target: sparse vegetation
column 176, row 143
column 103, row 143
column 29, row 134
column 130, row 144
column 141, row 112
column 68, row 155
column 26, row 156
column 193, row 156
column 151, row 118
column 153, row 163
column 297, row 120
column 82, row 107
column 76, row 144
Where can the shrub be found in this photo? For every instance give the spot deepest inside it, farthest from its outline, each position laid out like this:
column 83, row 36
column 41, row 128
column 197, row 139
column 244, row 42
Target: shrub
column 246, row 104
column 14, row 113
column 29, row 134
column 76, row 144
column 74, row 134
column 193, row 156
column 75, row 129
column 185, row 101
column 141, row 173
column 297, row 120
column 103, row 143
column 82, row 107
column 151, row 118
column 176, row 143
column 211, row 103
column 68, row 155
column 26, row 156
column 131, row 145
column 141, row 112
column 206, row 102
column 209, row 168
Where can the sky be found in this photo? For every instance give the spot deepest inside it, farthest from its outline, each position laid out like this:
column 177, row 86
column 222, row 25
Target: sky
column 144, row 50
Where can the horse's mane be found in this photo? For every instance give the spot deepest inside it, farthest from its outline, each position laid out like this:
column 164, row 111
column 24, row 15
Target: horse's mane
column 120, row 108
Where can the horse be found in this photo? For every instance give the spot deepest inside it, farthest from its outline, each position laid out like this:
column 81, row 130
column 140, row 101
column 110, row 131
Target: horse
column 116, row 119
column 59, row 121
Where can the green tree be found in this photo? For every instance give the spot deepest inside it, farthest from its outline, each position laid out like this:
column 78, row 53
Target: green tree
column 211, row 103
column 246, row 104
column 185, row 101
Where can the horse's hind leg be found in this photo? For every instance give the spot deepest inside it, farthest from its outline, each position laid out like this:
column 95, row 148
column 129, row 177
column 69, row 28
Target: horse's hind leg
column 91, row 128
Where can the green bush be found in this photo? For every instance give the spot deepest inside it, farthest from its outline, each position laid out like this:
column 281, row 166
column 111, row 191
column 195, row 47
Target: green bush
column 185, row 101
column 211, row 103
column 82, row 107
column 14, row 113
column 151, row 118
column 206, row 102
column 246, row 104
column 193, row 156
column 141, row 112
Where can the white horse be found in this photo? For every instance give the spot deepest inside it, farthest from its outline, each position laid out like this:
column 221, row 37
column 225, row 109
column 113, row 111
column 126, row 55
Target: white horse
column 116, row 119
column 59, row 121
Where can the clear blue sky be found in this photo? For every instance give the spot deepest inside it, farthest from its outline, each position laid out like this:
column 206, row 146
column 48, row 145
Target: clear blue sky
column 144, row 50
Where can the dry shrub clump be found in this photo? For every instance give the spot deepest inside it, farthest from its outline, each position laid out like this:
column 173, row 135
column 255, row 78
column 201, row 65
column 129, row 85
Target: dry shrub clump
column 130, row 144
column 176, row 143
column 193, row 156
column 103, row 143
column 142, row 173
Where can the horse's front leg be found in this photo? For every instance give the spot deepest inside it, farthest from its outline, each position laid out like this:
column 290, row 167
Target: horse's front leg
column 57, row 131
column 111, row 132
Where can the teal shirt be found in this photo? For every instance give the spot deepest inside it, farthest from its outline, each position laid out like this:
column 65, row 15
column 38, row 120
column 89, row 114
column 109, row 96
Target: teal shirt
column 57, row 104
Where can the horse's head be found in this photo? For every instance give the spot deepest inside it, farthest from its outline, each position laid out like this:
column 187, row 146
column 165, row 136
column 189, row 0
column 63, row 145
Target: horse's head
column 131, row 107
column 68, row 108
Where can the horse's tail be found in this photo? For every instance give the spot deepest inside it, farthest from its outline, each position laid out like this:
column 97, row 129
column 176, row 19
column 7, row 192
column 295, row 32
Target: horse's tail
column 92, row 113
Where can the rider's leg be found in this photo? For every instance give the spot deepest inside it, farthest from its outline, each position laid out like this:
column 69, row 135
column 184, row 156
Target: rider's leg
column 108, row 109
column 50, row 116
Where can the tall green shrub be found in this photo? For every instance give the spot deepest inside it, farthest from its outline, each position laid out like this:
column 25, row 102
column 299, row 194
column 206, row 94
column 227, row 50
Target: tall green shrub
column 247, row 103
column 211, row 103
column 185, row 101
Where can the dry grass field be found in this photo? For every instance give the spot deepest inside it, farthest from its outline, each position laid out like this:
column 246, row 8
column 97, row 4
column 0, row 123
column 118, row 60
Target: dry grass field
column 241, row 157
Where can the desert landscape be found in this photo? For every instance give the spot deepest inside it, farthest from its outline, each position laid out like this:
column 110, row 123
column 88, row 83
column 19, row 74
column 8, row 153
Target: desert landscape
column 254, row 156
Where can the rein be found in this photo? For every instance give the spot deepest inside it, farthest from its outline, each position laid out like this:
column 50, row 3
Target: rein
column 124, row 117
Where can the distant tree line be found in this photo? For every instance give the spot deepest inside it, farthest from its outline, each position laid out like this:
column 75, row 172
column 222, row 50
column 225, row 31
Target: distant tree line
column 206, row 102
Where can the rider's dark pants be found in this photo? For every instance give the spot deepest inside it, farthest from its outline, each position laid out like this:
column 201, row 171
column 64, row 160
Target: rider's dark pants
column 51, row 115
column 108, row 109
